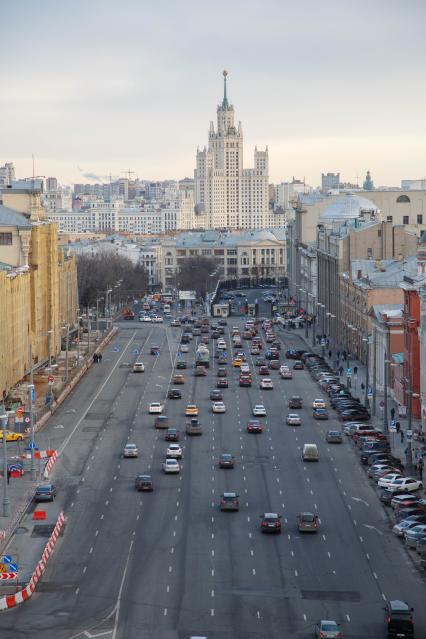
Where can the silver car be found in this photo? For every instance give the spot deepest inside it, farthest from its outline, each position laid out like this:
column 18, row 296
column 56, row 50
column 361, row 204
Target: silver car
column 327, row 629
column 130, row 450
column 413, row 535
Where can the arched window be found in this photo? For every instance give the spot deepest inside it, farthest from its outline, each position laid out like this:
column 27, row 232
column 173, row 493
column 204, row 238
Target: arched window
column 403, row 199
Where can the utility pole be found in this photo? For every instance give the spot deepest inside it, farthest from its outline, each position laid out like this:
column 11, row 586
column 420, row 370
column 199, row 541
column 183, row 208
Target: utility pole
column 31, row 390
column 367, row 350
column 6, row 508
column 88, row 330
column 374, row 371
column 385, row 407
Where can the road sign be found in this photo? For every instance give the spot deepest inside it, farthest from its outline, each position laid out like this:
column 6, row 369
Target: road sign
column 13, row 567
column 382, row 403
column 370, row 392
column 50, row 379
column 392, row 426
column 323, row 342
column 33, row 395
column 32, row 445
column 7, row 559
column 136, row 351
column 27, row 420
column 349, row 372
column 393, row 422
column 8, row 575
column 409, row 435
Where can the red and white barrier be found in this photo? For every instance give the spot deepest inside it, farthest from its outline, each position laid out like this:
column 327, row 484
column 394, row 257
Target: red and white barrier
column 10, row 601
column 40, row 454
column 50, row 464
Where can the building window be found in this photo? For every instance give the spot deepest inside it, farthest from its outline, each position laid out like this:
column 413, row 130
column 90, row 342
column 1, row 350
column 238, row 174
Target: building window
column 403, row 199
column 420, row 219
column 389, row 218
column 5, row 239
column 406, row 219
column 369, row 253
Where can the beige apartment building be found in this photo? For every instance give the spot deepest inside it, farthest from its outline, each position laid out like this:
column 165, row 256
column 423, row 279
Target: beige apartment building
column 38, row 285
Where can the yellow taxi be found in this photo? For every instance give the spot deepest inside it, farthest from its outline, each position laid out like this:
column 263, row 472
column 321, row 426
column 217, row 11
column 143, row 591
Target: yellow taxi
column 191, row 410
column 237, row 362
column 12, row 437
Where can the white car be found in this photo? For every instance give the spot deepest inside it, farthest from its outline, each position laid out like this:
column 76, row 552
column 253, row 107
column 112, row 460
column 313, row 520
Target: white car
column 318, row 403
column 405, row 484
column 293, row 419
column 388, row 479
column 174, row 451
column 221, row 345
column 244, row 368
column 146, row 319
column 184, row 348
column 155, row 408
column 286, row 374
column 266, row 383
column 259, row 410
column 218, row 407
column 157, row 319
column 171, row 466
column 138, row 367
column 130, row 450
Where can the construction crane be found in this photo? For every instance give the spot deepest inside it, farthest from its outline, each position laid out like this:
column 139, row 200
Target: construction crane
column 129, row 173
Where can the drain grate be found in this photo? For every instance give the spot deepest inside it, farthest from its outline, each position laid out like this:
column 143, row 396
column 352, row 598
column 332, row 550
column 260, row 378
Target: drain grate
column 55, row 586
column 44, row 530
column 331, row 595
column 93, row 415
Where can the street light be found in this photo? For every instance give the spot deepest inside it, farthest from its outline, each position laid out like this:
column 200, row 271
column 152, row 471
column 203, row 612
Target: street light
column 67, row 328
column 4, row 419
column 98, row 299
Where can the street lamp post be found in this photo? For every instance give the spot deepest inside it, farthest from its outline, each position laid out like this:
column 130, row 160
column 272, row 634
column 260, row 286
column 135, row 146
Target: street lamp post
column 31, row 389
column 49, row 334
column 67, row 327
column 385, row 395
column 78, row 340
column 6, row 505
column 98, row 299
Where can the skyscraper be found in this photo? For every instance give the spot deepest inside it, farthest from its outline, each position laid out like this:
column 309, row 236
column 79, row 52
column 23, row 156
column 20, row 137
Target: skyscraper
column 226, row 194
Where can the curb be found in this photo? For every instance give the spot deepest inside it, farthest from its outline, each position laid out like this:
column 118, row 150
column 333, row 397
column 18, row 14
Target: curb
column 10, row 601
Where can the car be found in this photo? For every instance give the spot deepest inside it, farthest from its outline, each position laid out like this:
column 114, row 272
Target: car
column 320, row 413
column 174, row 451
column 270, row 523
column 293, row 419
column 145, row 318
column 399, row 619
column 385, row 480
column 191, row 410
column 226, row 461
column 352, row 427
column 295, row 402
column 218, row 407
column 161, row 421
column 263, row 370
column 266, row 383
column 254, row 426
column 175, row 323
column 298, row 366
column 260, row 361
column 236, row 363
column 130, row 450
column 307, row 522
column 178, row 378
column 355, row 413
column 245, row 380
column 334, row 437
column 259, row 410
column 184, row 348
column 229, row 501
column 154, row 350
column 318, row 403
column 245, row 368
column 181, row 364
column 406, row 484
column 138, row 367
column 200, row 371
column 401, row 527
column 11, row 436
column 286, row 374
column 193, row 427
column 157, row 319
column 171, row 466
column 310, row 452
column 45, row 492
column 222, row 382
column 174, row 393
column 144, row 483
column 402, row 500
column 403, row 513
column 327, row 629
column 155, row 408
column 216, row 395
column 172, row 435
column 222, row 372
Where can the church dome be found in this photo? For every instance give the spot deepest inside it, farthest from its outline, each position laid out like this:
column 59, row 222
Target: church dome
column 348, row 207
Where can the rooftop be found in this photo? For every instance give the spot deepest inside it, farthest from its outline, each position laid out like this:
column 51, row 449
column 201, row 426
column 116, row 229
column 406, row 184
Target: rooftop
column 382, row 273
column 222, row 238
column 10, row 217
column 348, row 207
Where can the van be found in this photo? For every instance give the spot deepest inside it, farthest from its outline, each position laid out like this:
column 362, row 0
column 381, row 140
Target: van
column 310, row 452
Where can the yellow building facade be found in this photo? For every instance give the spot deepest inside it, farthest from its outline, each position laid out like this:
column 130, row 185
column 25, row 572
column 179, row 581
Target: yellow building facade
column 38, row 285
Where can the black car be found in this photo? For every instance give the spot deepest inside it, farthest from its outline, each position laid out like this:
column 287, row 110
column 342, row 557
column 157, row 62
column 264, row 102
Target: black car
column 294, row 354
column 172, row 435
column 144, row 482
column 222, row 372
column 181, row 365
column 399, row 620
column 174, row 393
column 222, row 382
column 298, row 365
column 45, row 492
column 379, row 458
column 354, row 414
column 216, row 395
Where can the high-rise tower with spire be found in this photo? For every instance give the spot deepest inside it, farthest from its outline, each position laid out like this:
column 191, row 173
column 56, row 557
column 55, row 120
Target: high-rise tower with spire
column 226, row 194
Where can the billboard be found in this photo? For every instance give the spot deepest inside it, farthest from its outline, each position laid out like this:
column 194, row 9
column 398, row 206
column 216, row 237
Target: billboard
column 187, row 295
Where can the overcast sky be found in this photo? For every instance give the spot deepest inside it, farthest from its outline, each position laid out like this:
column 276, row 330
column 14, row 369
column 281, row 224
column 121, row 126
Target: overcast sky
column 102, row 86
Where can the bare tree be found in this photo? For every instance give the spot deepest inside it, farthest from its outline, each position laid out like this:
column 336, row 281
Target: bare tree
column 97, row 272
column 194, row 274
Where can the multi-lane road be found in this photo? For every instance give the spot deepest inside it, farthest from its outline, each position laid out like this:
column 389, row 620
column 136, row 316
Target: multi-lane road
column 169, row 564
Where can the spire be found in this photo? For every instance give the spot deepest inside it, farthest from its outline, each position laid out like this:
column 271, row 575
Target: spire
column 225, row 103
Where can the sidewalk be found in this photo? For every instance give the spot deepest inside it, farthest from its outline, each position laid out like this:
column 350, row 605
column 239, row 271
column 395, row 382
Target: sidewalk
column 377, row 420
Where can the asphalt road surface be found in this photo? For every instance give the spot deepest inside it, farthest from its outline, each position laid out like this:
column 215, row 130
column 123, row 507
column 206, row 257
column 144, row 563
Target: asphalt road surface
column 169, row 564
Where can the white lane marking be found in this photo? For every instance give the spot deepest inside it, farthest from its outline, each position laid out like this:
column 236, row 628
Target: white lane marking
column 253, row 571
column 168, row 588
column 165, row 612
column 348, row 618
column 212, row 612
column 296, row 574
column 84, row 569
column 375, row 575
column 91, row 550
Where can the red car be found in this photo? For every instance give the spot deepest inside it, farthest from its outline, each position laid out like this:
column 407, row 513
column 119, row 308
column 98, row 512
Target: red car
column 222, row 382
column 263, row 370
column 254, row 426
column 270, row 523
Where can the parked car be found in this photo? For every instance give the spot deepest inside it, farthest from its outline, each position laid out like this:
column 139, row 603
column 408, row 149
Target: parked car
column 45, row 492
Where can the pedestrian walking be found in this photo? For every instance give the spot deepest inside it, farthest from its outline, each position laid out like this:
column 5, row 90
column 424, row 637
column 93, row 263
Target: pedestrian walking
column 398, row 427
column 420, row 468
column 392, row 413
column 341, row 370
column 329, row 354
column 344, row 355
column 100, row 358
column 402, row 436
column 338, row 354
